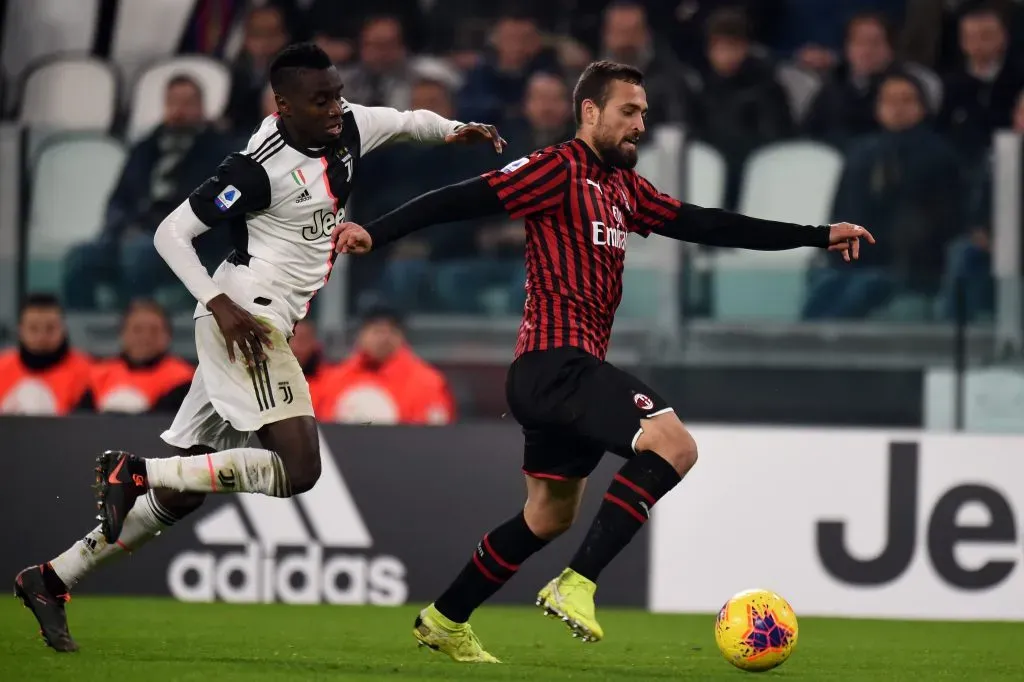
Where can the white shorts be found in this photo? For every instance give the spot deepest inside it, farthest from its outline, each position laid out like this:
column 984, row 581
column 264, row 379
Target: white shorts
column 228, row 401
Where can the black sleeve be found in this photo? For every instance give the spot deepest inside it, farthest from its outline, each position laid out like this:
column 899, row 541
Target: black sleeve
column 716, row 227
column 170, row 402
column 240, row 186
column 466, row 200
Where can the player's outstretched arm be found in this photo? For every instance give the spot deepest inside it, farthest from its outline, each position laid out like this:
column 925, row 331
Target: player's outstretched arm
column 383, row 125
column 715, row 227
column 466, row 200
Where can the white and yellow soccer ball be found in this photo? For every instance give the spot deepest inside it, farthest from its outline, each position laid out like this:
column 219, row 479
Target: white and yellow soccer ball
column 756, row 630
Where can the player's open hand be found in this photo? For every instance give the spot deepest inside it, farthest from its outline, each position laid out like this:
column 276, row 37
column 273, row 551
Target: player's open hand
column 351, row 238
column 845, row 237
column 477, row 132
column 240, row 329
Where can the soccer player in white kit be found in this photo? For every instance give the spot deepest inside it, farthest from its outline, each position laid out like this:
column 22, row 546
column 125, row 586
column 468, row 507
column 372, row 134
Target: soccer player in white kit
column 281, row 198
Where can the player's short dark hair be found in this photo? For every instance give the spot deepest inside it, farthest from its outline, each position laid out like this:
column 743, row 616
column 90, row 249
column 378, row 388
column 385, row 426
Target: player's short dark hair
column 293, row 59
column 185, row 79
column 149, row 305
column 729, row 23
column 35, row 301
column 594, row 81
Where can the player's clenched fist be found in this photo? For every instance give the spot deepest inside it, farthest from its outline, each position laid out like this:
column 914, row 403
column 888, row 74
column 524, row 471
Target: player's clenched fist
column 351, row 238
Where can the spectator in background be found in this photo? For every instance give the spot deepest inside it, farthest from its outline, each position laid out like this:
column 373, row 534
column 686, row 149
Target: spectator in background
column 266, row 34
column 382, row 77
column 812, row 32
column 144, row 377
column 547, row 116
column 845, row 105
column 494, row 89
column 969, row 261
column 905, row 182
column 930, row 31
column 43, row 375
column 393, row 175
column 979, row 98
column 684, row 24
column 627, row 39
column 337, row 44
column 159, row 174
column 268, row 102
column 310, row 353
column 739, row 104
column 336, row 24
column 383, row 381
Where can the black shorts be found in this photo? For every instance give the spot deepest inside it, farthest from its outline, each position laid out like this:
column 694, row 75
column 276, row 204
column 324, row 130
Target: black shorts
column 573, row 408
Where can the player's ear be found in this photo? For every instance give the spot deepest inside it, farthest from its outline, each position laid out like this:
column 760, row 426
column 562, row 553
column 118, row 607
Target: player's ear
column 282, row 105
column 590, row 111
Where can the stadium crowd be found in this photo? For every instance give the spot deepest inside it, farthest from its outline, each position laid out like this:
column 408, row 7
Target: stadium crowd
column 912, row 109
column 910, row 92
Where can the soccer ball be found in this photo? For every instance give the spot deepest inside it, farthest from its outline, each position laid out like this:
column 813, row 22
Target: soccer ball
column 756, row 630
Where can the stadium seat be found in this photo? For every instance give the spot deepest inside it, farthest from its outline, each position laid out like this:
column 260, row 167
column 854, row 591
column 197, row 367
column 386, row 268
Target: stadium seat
column 35, row 29
column 147, row 104
column 69, row 94
column 71, row 181
column 789, row 181
column 800, row 85
column 652, row 264
column 145, row 32
column 705, row 175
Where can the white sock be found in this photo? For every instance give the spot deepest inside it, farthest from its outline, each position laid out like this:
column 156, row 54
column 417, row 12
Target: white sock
column 241, row 470
column 144, row 522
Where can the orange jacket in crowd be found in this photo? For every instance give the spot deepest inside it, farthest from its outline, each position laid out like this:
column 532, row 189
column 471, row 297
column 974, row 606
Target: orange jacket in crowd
column 116, row 386
column 404, row 390
column 56, row 390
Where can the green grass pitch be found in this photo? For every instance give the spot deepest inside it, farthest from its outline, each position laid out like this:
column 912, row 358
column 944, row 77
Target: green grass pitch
column 152, row 640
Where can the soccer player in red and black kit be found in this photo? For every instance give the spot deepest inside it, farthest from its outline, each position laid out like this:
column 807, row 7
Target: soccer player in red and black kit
column 580, row 200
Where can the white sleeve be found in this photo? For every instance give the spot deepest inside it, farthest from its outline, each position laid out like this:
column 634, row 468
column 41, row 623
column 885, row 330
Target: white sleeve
column 381, row 125
column 173, row 241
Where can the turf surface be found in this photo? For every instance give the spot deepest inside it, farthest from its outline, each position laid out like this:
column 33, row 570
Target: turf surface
column 154, row 640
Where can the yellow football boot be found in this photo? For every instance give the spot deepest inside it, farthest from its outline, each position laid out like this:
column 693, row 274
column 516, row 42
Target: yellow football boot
column 570, row 597
column 457, row 640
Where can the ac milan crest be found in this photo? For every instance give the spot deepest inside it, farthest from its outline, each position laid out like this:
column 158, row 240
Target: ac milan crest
column 642, row 401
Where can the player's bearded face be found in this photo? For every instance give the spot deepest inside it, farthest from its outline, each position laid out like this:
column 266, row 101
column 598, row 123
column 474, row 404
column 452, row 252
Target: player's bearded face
column 621, row 124
column 617, row 147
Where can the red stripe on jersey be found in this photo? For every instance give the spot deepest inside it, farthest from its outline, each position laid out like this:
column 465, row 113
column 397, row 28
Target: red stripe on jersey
column 578, row 214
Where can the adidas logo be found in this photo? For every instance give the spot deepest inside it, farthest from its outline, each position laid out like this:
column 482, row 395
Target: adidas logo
column 287, row 550
column 303, row 197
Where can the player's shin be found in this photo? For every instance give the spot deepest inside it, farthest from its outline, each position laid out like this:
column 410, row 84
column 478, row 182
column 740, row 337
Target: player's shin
column 496, row 559
column 145, row 521
column 241, row 470
column 642, row 481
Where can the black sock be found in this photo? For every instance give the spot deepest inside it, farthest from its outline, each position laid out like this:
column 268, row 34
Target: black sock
column 496, row 559
column 641, row 482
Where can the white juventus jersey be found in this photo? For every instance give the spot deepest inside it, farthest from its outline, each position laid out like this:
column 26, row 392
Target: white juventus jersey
column 281, row 203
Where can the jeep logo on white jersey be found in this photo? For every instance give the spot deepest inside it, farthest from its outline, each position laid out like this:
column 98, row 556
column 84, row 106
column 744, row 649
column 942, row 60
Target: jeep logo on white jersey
column 283, row 560
column 324, row 223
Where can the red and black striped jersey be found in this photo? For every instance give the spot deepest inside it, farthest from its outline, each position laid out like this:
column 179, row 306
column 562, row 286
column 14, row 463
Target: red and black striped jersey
column 579, row 212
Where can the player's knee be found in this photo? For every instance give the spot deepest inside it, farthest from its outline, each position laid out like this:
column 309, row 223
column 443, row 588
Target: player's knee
column 666, row 436
column 304, row 474
column 178, row 504
column 550, row 521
